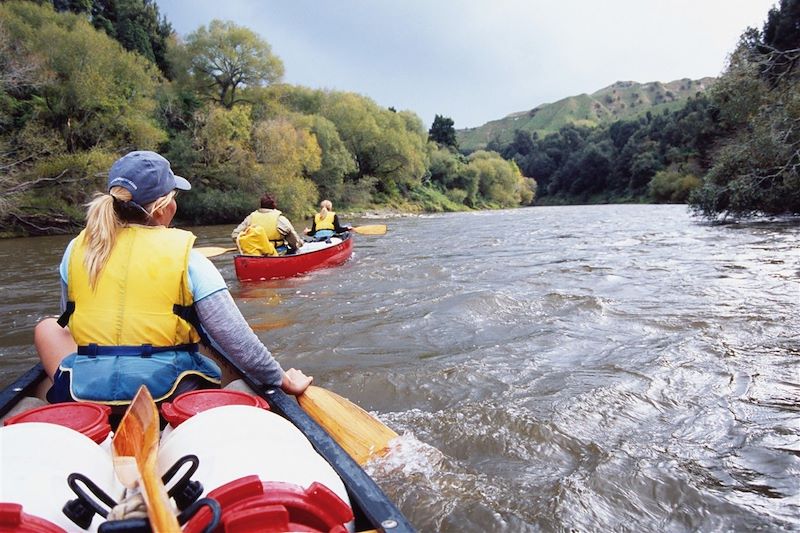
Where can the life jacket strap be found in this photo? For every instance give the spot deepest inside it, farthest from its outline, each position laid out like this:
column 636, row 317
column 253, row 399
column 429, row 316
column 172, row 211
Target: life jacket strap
column 143, row 350
column 189, row 314
column 63, row 320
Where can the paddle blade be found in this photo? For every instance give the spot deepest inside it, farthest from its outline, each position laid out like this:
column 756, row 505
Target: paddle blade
column 360, row 434
column 213, row 251
column 373, row 229
column 137, row 438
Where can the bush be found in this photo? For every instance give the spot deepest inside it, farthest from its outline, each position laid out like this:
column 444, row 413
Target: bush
column 672, row 187
column 212, row 206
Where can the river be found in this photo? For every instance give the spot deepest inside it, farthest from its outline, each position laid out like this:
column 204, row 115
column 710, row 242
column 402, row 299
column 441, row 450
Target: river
column 582, row 368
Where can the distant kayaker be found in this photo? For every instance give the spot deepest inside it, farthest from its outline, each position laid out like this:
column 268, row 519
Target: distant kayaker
column 135, row 297
column 326, row 223
column 266, row 231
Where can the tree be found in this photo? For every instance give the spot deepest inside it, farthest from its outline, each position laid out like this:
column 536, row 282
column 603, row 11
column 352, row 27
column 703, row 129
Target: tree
column 443, row 132
column 136, row 24
column 384, row 145
column 226, row 57
column 97, row 93
column 757, row 167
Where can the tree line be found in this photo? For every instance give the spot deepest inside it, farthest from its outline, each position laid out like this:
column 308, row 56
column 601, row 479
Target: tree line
column 84, row 81
column 731, row 152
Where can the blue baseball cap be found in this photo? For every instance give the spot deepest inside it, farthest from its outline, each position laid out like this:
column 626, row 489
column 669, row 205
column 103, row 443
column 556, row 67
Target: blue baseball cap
column 146, row 175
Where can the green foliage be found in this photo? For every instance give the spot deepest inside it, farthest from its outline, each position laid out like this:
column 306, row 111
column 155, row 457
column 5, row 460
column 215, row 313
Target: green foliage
column 499, row 181
column 756, row 170
column 336, row 161
column 97, row 93
column 214, row 206
column 294, row 194
column 285, row 150
column 385, row 145
column 226, row 57
column 621, row 101
column 72, row 99
column 49, row 195
column 615, row 162
column 443, row 132
column 672, row 187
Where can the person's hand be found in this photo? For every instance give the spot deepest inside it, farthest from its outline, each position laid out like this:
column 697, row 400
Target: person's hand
column 295, row 382
column 306, row 230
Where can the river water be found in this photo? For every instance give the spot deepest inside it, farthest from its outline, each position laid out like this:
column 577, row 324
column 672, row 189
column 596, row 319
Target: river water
column 586, row 368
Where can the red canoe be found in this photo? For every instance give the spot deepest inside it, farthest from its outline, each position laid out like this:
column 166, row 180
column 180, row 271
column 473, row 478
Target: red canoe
column 310, row 257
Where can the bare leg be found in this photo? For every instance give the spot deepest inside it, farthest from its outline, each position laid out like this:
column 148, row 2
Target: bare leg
column 53, row 343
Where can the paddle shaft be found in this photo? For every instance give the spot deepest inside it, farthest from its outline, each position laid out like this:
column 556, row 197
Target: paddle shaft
column 371, row 502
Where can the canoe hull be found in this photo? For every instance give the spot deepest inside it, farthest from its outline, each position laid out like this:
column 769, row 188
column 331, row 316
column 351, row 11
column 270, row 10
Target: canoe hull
column 249, row 268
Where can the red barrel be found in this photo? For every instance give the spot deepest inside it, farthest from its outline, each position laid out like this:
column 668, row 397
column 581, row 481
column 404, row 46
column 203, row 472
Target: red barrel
column 190, row 403
column 14, row 520
column 91, row 419
column 249, row 504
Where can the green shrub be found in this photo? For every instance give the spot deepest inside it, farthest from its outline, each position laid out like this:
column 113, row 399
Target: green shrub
column 672, row 187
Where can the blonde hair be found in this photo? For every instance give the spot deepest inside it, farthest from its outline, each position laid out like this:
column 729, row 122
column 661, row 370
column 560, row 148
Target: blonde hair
column 325, row 206
column 103, row 222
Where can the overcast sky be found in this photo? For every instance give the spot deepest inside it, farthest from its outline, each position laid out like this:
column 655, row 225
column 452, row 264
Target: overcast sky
column 479, row 60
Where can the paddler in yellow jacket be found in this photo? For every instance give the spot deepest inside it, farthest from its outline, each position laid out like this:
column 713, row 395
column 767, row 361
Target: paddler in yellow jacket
column 325, row 224
column 266, row 231
column 136, row 299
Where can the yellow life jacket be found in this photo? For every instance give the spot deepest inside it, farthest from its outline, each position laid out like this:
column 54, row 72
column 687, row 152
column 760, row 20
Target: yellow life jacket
column 324, row 223
column 261, row 237
column 134, row 302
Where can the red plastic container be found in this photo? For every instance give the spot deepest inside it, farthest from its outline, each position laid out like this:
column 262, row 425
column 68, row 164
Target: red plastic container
column 14, row 520
column 91, row 419
column 249, row 504
column 190, row 403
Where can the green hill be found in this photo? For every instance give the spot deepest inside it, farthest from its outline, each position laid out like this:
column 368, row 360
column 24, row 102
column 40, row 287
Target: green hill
column 622, row 100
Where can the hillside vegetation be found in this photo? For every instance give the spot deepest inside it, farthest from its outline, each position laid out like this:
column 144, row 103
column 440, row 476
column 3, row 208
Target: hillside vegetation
column 730, row 151
column 85, row 81
column 623, row 100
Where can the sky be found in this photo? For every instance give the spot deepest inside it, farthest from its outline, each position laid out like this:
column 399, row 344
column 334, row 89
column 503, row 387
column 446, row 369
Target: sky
column 480, row 60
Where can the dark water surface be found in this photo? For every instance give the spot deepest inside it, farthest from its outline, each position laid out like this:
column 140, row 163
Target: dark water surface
column 605, row 368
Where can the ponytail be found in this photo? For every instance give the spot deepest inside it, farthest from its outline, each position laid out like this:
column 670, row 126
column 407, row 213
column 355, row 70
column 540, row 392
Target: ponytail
column 102, row 224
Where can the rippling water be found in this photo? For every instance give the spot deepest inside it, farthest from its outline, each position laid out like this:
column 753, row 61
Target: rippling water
column 596, row 368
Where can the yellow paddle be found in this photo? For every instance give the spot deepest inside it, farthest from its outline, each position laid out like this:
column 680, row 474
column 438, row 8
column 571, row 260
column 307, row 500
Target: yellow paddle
column 135, row 449
column 213, row 251
column 372, row 229
column 360, row 434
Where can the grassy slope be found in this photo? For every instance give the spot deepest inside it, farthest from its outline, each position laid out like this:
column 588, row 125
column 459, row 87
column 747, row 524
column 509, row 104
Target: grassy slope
column 622, row 100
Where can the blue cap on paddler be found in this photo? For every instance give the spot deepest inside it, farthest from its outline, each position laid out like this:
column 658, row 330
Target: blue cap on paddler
column 146, row 175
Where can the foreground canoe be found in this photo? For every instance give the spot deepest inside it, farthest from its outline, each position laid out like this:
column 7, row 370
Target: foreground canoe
column 311, row 256
column 369, row 507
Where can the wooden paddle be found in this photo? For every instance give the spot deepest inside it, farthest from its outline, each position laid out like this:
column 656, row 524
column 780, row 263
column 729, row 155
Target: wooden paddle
column 373, row 229
column 213, row 251
column 135, row 449
column 359, row 433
